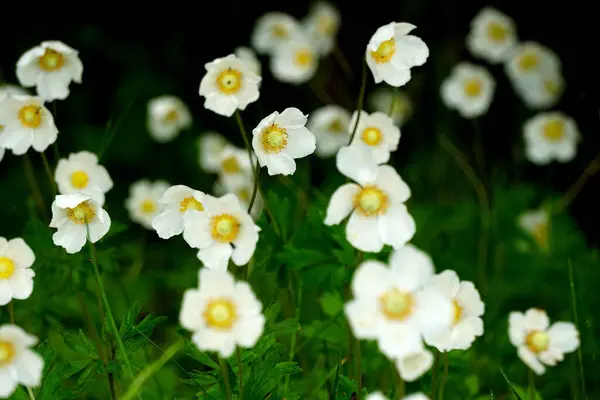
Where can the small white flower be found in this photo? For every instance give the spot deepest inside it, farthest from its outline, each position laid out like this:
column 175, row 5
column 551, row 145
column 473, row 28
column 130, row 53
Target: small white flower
column 167, row 116
column 19, row 365
column 376, row 207
column 280, row 138
column 469, row 89
column 177, row 204
column 27, row 123
column 380, row 396
column 412, row 366
column 541, row 92
column 492, row 36
column 550, row 136
column 81, row 173
column 296, row 60
column 539, row 343
column 12, row 89
column 210, row 146
column 74, row 215
column 224, row 231
column 377, row 133
column 382, row 98
column 143, row 201
column 392, row 52
column 235, row 168
column 273, row 29
column 16, row 275
column 536, row 223
column 323, row 23
column 228, row 85
column 330, row 125
column 50, row 67
column 247, row 55
column 468, row 309
column 243, row 192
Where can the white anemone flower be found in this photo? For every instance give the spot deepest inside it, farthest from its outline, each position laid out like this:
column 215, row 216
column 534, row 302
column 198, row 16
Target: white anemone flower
column 81, row 173
column 50, row 67
column 323, row 23
column 75, row 215
column 247, row 55
column 210, row 146
column 143, row 202
column 273, row 29
column 296, row 60
column 167, row 116
column 16, row 275
column 27, row 123
column 243, row 191
column 280, row 138
column 330, row 125
column 178, row 203
column 550, row 136
column 19, row 365
column 536, row 223
column 375, row 202
column 377, row 133
column 493, row 35
column 383, row 98
column 380, row 396
column 468, row 309
column 393, row 305
column 469, row 89
column 538, row 343
column 412, row 366
column 541, row 92
column 392, row 52
column 229, row 85
column 235, row 168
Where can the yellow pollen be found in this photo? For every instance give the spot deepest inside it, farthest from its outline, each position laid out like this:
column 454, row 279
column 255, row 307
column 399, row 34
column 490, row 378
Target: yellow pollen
column 7, row 353
column 274, row 138
column 81, row 214
column 279, row 31
column 190, row 202
column 497, row 32
column 472, row 87
column 458, row 312
column 230, row 165
column 171, row 116
column 554, row 130
column 148, row 206
column 225, row 228
column 7, row 267
column 229, row 81
column 52, row 60
column 371, row 136
column 371, row 201
column 220, row 313
column 303, row 58
column 326, row 25
column 244, row 194
column 551, row 86
column 528, row 61
column 336, row 126
column 384, row 52
column 79, row 179
column 537, row 341
column 30, row 116
column 396, row 305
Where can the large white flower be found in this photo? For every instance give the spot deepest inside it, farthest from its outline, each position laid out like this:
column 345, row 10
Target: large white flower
column 393, row 306
column 412, row 366
column 492, row 36
column 228, row 85
column 468, row 309
column 19, row 365
column 81, row 173
column 178, row 203
column 376, row 207
column 536, row 223
column 224, row 231
column 50, row 67
column 392, row 52
column 27, row 123
column 383, row 98
column 16, row 275
column 322, row 23
column 210, row 146
column 377, row 133
column 280, row 138
column 143, row 201
column 235, row 168
column 247, row 55
column 330, row 125
column 75, row 215
column 296, row 60
column 380, row 396
column 469, row 89
column 550, row 136
column 167, row 116
column 539, row 343
column 273, row 29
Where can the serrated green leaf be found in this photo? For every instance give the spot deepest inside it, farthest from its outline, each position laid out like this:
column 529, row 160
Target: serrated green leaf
column 79, row 343
column 286, row 327
column 288, row 367
column 331, row 303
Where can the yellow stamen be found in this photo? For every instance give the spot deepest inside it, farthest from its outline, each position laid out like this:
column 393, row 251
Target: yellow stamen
column 225, row 228
column 190, row 203
column 148, row 206
column 52, row 60
column 274, row 138
column 537, row 341
column 554, row 130
column 396, row 305
column 372, row 136
column 7, row 267
column 30, row 116
column 371, row 201
column 79, row 179
column 7, row 353
column 229, row 81
column 473, row 87
column 220, row 313
column 497, row 32
column 385, row 51
column 303, row 58
column 81, row 214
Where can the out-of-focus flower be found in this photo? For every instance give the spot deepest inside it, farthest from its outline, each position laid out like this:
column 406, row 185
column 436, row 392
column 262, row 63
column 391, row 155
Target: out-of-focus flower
column 235, row 167
column 210, row 146
column 296, row 60
column 81, row 173
column 273, row 29
column 19, row 365
column 16, row 275
column 412, row 366
column 541, row 92
column 247, row 55
column 383, row 98
column 380, row 396
column 178, row 203
column 167, row 116
column 143, row 201
column 377, row 133
column 493, row 35
column 323, row 23
column 330, row 125
column 7, row 88
column 536, row 223
column 243, row 191
column 550, row 136
column 469, row 89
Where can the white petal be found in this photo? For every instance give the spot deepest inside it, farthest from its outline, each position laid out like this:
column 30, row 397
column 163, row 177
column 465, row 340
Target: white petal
column 390, row 181
column 221, row 104
column 413, row 366
column 468, row 298
column 197, row 232
column 5, row 292
column 413, row 51
column 190, row 316
column 222, row 342
column 410, row 268
column 516, row 328
column 168, row 223
column 363, row 233
column 245, row 245
column 531, row 360
column 341, row 203
column 301, row 143
column 248, row 304
column 363, row 319
column 54, row 86
column 15, row 334
column 396, row 226
column 8, row 383
column 371, row 279
column 216, row 255
column 446, row 283
column 399, row 340
column 99, row 226
column 21, row 283
column 433, row 312
column 249, row 329
column 291, row 118
column 18, row 251
column 215, row 283
column 356, row 163
column 536, row 320
column 29, row 366
column 70, row 236
column 280, row 164
column 564, row 337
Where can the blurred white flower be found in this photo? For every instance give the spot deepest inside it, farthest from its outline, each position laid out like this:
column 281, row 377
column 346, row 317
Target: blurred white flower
column 541, row 92
column 50, row 67
column 493, row 35
column 7, row 88
column 377, row 133
column 536, row 223
column 177, row 204
column 469, row 89
column 392, row 52
column 19, row 365
column 538, row 343
column 382, row 98
column 235, row 167
column 296, row 60
column 380, row 396
column 550, row 136
column 210, row 146
column 247, row 55
column 143, row 201
column 167, row 116
column 280, row 138
column 2, row 150
column 330, row 125
column 412, row 366
column 229, row 85
column 74, row 215
column 273, row 29
column 323, row 23
column 81, row 173
column 376, row 207
column 16, row 275
column 243, row 191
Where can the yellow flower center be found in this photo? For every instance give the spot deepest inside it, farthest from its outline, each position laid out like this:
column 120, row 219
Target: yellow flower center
column 220, row 313
column 528, row 61
column 537, row 341
column 225, row 228
column 554, row 130
column 497, row 32
column 396, row 305
column 7, row 267
column 371, row 136
column 458, row 312
column 30, row 116
column 274, row 138
column 551, row 86
column 7, row 353
column 336, row 126
column 171, row 117
column 385, row 51
column 371, row 201
column 229, row 81
column 303, row 58
column 52, row 60
column 81, row 214
column 190, row 202
column 148, row 206
column 244, row 195
column 472, row 87
column 79, row 179
column 326, row 25
column 279, row 31
column 230, row 165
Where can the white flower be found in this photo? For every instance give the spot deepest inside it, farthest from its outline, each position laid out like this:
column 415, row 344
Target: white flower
column 228, row 85
column 469, row 89
column 323, row 23
column 536, row 223
column 330, row 125
column 550, row 136
column 210, row 146
column 81, row 173
column 382, row 98
column 377, row 133
column 19, row 365
column 243, row 191
column 27, row 123
column 296, row 60
column 247, row 55
column 12, row 89
column 235, row 168
column 50, row 67
column 177, row 204
column 143, row 201
column 16, row 275
column 167, row 116
column 541, row 91
column 224, row 231
column 2, row 150
column 537, row 342
column 273, row 29
column 376, row 207
column 392, row 305
column 412, row 366
column 468, row 309
column 380, row 396
column 75, row 215
column 492, row 36
column 280, row 138
column 392, row 52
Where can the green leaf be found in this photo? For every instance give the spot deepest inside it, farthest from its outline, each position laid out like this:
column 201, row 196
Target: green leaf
column 332, row 303
column 294, row 258
column 288, row 367
column 191, row 350
column 116, row 228
column 126, row 329
column 286, row 327
column 52, row 385
column 80, row 344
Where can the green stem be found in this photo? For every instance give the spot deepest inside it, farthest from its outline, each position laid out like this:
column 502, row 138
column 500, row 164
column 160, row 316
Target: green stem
column 531, row 385
column 296, row 300
column 238, row 356
column 30, row 392
column 357, row 363
column 576, row 320
column 49, row 173
column 361, row 98
column 444, row 377
column 11, row 312
column 434, row 374
column 34, row 186
column 225, row 373
column 592, row 168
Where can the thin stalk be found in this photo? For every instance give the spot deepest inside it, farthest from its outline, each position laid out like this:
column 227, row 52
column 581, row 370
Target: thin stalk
column 436, row 362
column 55, row 151
column 49, row 173
column 238, row 356
column 34, row 186
column 592, row 168
column 225, row 373
column 11, row 312
column 357, row 363
column 296, row 300
column 343, row 62
column 531, row 385
column 361, row 98
column 576, row 319
column 393, row 103
column 400, row 387
column 444, row 377
column 30, row 392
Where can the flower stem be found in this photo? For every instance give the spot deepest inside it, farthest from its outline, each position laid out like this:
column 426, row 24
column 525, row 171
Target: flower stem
column 30, row 392
column 33, row 186
column 297, row 301
column 361, row 98
column 11, row 312
column 357, row 363
column 49, row 173
column 592, row 168
column 531, row 385
column 238, row 355
column 225, row 373
column 444, row 377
